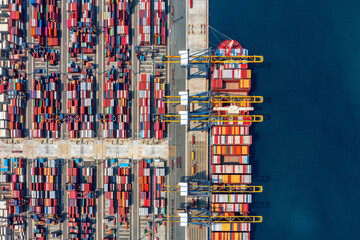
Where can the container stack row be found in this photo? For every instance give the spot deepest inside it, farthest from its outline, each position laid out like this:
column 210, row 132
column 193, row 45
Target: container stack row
column 72, row 8
column 37, row 22
column 123, row 108
column 87, row 117
column 16, row 20
column 12, row 91
column 52, row 25
column 45, row 22
column 159, row 107
column 123, row 180
column 109, row 116
column 16, row 202
column 12, row 112
column 144, row 103
column 73, row 106
column 52, row 188
column 5, row 36
column 145, row 189
column 160, row 22
column 87, row 36
column 159, row 196
column 87, row 202
column 123, row 27
column 37, row 195
column 230, row 144
column 110, row 30
column 144, row 22
column 109, row 188
column 46, row 107
column 73, row 181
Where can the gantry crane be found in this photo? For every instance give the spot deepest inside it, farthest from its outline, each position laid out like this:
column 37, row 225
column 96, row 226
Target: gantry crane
column 207, row 220
column 203, row 188
column 212, row 110
column 204, row 59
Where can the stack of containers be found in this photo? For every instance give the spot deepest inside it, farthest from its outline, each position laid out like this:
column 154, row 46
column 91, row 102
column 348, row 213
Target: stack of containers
column 123, row 60
column 144, row 22
column 87, row 37
column 72, row 22
column 51, row 188
column 159, row 22
column 14, row 88
column 73, row 7
column 52, row 25
column 87, row 118
column 145, row 188
column 86, row 187
column 16, row 19
column 109, row 105
column 159, row 197
column 236, row 75
column 87, row 202
column 221, row 231
column 122, row 108
column 47, row 107
column 109, row 25
column 109, row 187
column 123, row 195
column 37, row 188
column 159, row 104
column 16, row 202
column 37, row 22
column 4, row 114
column 144, row 103
column 72, row 67
column 73, row 202
column 73, row 106
column 123, row 25
column 230, row 143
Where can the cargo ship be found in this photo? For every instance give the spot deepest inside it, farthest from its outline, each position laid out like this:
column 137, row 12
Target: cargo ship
column 230, row 142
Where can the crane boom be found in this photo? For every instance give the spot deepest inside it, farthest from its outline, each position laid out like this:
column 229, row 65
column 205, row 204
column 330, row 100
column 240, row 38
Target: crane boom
column 216, row 59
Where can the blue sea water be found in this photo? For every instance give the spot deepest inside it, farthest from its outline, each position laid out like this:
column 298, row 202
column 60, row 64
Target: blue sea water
column 306, row 154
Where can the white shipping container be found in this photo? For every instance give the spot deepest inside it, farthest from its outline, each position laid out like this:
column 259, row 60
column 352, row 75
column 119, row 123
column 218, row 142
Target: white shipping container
column 222, row 227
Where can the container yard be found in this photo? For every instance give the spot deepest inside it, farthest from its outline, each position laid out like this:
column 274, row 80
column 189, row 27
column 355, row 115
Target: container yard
column 105, row 116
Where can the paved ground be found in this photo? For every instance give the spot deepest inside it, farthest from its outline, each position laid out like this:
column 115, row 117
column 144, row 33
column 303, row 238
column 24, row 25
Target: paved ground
column 177, row 42
column 178, row 144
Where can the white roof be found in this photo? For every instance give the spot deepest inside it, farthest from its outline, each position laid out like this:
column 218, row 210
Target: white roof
column 183, row 188
column 183, row 219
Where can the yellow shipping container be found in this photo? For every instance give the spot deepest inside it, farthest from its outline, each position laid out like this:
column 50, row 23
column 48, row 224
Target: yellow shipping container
column 249, row 73
column 245, row 150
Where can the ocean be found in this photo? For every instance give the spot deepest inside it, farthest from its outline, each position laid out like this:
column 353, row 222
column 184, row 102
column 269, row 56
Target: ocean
column 306, row 152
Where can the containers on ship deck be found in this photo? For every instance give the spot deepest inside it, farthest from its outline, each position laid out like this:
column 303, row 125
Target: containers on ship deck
column 230, row 235
column 231, row 198
column 230, row 150
column 231, row 140
column 230, row 227
column 230, row 179
column 230, row 207
column 231, row 169
column 230, row 130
